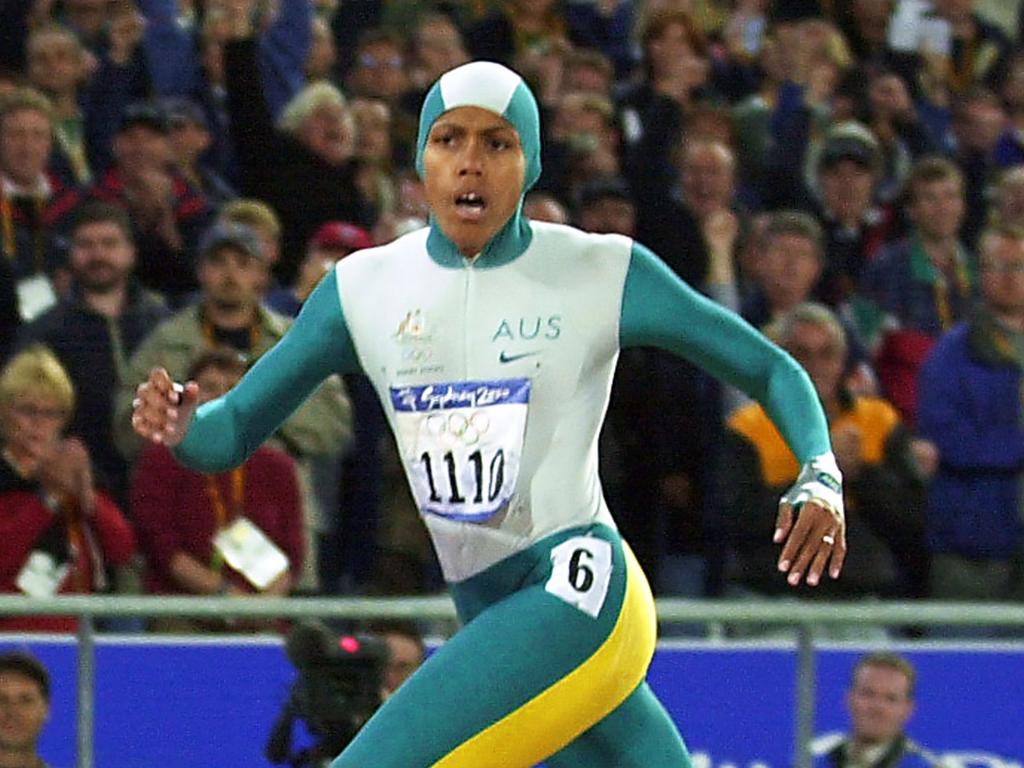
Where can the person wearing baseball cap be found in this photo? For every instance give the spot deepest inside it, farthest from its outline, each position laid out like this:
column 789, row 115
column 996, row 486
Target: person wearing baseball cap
column 331, row 243
column 491, row 341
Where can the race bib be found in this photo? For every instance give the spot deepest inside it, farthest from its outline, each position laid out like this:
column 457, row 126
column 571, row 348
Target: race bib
column 462, row 444
column 42, row 575
column 247, row 549
column 581, row 569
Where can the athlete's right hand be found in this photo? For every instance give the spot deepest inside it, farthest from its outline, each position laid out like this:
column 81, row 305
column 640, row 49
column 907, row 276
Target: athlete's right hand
column 162, row 409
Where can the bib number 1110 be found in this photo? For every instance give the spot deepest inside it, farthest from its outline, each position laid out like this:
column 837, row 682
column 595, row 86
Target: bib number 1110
column 485, row 482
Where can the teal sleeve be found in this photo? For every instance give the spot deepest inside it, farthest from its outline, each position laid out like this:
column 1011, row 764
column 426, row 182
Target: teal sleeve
column 660, row 310
column 227, row 430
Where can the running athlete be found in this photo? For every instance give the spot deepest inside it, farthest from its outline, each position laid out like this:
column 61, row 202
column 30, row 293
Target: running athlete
column 491, row 341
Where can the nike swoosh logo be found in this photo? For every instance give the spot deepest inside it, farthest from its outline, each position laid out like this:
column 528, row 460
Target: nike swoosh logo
column 505, row 357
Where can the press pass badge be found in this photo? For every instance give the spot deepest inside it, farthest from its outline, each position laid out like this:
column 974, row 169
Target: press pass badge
column 462, row 444
column 245, row 548
column 42, row 575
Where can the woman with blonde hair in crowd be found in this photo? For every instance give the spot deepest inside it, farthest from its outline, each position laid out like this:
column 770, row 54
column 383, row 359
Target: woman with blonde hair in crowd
column 58, row 529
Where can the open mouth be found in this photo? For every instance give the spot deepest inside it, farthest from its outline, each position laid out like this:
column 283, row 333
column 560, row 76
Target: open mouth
column 470, row 205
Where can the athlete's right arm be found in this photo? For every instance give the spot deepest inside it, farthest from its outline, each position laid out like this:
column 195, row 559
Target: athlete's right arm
column 225, row 431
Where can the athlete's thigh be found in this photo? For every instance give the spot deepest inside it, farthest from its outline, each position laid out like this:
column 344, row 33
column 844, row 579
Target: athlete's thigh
column 638, row 734
column 515, row 685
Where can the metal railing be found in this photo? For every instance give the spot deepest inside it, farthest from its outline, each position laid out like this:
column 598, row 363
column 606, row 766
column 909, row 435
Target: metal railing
column 802, row 616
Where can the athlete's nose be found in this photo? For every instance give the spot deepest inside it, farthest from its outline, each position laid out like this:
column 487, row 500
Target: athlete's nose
column 471, row 159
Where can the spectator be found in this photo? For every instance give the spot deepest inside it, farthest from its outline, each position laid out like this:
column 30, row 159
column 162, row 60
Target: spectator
column 789, row 266
column 979, row 121
column 58, row 66
column 59, row 531
column 543, row 206
column 919, row 287
column 378, row 71
column 406, row 652
column 847, row 171
column 24, row 708
column 265, row 224
column 232, row 277
column 584, row 143
column 676, row 73
column 606, row 207
column 526, row 24
column 191, row 139
column 881, row 703
column 332, row 242
column 94, row 331
column 184, row 517
column 979, row 51
column 167, row 213
column 303, row 168
column 437, row 46
column 883, row 487
column 1008, row 206
column 323, row 54
column 970, row 408
column 377, row 153
column 34, row 204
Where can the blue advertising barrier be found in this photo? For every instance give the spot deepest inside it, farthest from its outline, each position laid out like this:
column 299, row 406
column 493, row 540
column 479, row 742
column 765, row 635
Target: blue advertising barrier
column 210, row 704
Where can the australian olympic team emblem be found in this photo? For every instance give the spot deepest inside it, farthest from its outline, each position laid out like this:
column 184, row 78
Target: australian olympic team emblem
column 412, row 328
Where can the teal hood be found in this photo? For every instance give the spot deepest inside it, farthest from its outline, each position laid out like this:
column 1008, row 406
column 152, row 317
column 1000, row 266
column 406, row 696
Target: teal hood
column 497, row 89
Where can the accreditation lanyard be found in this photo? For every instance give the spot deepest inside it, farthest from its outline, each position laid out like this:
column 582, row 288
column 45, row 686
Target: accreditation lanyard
column 941, row 289
column 10, row 243
column 236, row 477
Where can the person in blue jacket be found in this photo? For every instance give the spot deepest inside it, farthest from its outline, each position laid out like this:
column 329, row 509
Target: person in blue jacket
column 491, row 341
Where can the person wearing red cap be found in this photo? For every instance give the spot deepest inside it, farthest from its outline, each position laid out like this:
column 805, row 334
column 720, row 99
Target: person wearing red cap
column 331, row 243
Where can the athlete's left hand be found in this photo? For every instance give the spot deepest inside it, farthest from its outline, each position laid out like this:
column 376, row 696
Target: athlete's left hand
column 818, row 538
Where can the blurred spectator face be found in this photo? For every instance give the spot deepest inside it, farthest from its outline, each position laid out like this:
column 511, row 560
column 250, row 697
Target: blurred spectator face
column 532, row 9
column 1010, row 202
column 539, row 206
column 26, row 138
column 412, row 197
column 215, row 381
column 979, row 125
column 871, row 18
column 937, row 208
column 231, row 278
column 707, row 178
column 56, row 61
column 439, row 47
column 789, row 269
column 139, row 148
column 328, row 133
column 322, row 52
column 379, row 71
column 88, row 17
column 101, row 256
column 821, row 355
column 404, row 657
column 609, row 215
column 954, row 11
column 23, row 713
column 189, row 141
column 846, row 190
column 587, row 78
column 1002, row 273
column 373, row 129
column 31, row 423
column 879, row 703
column 672, row 51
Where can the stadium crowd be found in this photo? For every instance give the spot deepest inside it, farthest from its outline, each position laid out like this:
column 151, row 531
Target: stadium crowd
column 177, row 175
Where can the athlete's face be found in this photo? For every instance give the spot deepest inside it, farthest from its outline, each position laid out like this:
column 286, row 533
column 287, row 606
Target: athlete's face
column 473, row 169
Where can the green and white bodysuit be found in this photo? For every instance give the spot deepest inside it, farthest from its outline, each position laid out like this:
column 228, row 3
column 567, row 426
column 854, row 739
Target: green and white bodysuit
column 495, row 374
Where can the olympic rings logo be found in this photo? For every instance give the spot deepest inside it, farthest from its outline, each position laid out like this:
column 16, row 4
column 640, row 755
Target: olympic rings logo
column 457, row 427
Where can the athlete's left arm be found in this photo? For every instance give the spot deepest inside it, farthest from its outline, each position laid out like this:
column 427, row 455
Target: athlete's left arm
column 226, row 431
column 660, row 310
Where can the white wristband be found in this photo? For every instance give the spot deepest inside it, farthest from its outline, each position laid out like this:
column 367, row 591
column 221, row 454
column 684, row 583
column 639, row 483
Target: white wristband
column 819, row 481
